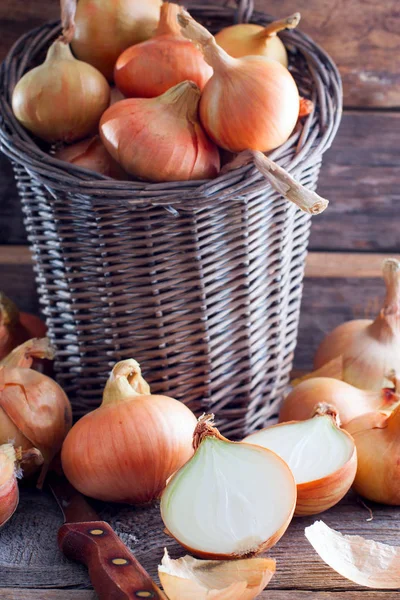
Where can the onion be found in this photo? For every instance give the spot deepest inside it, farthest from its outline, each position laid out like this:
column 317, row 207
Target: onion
column 248, row 39
column 9, row 494
column 249, row 103
column 334, row 369
column 322, row 458
column 377, row 438
column 34, row 410
column 349, row 401
column 16, row 327
column 62, row 99
column 104, row 28
column 370, row 349
column 91, row 154
column 230, row 500
column 153, row 67
column 188, row 578
column 125, row 450
column 161, row 139
column 362, row 561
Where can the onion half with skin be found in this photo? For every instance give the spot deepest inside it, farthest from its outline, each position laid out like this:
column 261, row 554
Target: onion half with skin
column 349, row 401
column 194, row 579
column 322, row 457
column 249, row 39
column 370, row 349
column 125, row 450
column 230, row 500
column 377, row 438
column 248, row 103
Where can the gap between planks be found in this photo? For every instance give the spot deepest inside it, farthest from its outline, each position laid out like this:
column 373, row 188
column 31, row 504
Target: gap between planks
column 319, row 264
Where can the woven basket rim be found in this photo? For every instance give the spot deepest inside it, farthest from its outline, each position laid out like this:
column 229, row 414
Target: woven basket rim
column 21, row 148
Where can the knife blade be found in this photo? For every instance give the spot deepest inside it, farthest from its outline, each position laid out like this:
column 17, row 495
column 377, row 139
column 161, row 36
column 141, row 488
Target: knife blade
column 114, row 571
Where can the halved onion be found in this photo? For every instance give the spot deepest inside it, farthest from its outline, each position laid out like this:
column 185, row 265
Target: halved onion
column 230, row 499
column 322, row 457
column 194, row 579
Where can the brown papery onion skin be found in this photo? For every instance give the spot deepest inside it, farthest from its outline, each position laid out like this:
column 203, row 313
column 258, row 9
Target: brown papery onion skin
column 377, row 438
column 16, row 327
column 249, row 103
column 34, row 410
column 161, row 139
column 63, row 99
column 248, row 39
column 91, row 154
column 125, row 450
column 349, row 401
column 149, row 69
column 370, row 349
column 105, row 28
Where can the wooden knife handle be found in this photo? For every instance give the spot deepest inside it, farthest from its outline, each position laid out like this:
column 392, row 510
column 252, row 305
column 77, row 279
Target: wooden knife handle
column 114, row 571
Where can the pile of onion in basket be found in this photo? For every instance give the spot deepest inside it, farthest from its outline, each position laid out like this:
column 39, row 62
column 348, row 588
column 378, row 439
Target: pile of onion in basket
column 339, row 428
column 181, row 103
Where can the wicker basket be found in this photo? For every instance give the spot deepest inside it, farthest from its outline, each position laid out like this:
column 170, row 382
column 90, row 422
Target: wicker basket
column 199, row 281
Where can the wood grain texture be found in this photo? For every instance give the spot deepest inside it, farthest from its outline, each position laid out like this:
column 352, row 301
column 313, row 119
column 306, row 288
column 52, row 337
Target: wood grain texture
column 9, row 594
column 29, row 556
column 359, row 176
column 362, row 36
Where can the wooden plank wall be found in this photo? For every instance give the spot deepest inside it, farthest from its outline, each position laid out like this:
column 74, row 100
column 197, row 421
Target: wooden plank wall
column 360, row 175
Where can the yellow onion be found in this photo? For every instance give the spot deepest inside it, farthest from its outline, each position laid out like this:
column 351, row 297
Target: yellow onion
column 370, row 349
column 161, row 139
column 322, row 457
column 250, row 102
column 349, row 401
column 149, row 69
column 125, row 450
column 248, row 39
column 194, row 579
column 16, row 327
column 62, row 99
column 230, row 500
column 91, row 154
column 377, row 438
column 104, row 28
column 34, row 410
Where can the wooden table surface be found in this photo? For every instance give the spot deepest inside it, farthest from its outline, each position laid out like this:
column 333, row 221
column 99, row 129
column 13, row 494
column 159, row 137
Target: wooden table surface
column 361, row 178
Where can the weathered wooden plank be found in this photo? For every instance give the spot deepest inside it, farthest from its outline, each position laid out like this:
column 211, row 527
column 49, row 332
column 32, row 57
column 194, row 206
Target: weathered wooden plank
column 347, row 31
column 360, row 176
column 320, row 265
column 9, row 594
column 29, row 556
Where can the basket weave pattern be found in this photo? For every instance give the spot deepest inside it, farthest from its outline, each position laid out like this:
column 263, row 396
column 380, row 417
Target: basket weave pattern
column 199, row 281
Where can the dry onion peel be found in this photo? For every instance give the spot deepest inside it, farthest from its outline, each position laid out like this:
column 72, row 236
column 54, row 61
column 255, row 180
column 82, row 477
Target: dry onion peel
column 280, row 180
column 250, row 102
column 151, row 68
column 370, row 349
column 230, row 500
column 194, row 579
column 322, row 457
column 332, row 369
column 365, row 562
column 138, row 440
column 377, row 438
column 349, row 401
column 16, row 327
column 34, row 410
column 248, row 39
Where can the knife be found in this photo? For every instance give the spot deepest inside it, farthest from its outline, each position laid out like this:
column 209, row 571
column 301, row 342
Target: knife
column 114, row 571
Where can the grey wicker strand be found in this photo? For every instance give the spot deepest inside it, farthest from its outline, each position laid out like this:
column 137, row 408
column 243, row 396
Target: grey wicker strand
column 199, row 281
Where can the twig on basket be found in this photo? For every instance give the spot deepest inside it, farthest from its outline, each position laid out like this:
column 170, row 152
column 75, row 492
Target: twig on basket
column 281, row 181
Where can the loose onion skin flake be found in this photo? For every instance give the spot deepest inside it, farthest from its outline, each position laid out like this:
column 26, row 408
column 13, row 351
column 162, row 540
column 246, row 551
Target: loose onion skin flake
column 365, row 562
column 322, row 457
column 16, row 327
column 230, row 500
column 191, row 579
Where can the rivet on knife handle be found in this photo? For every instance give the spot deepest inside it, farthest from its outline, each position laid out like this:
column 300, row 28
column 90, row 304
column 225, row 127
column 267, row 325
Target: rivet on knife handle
column 114, row 571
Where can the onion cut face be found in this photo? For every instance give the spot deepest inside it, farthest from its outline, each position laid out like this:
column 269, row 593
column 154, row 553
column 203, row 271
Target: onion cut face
column 322, row 458
column 230, row 500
